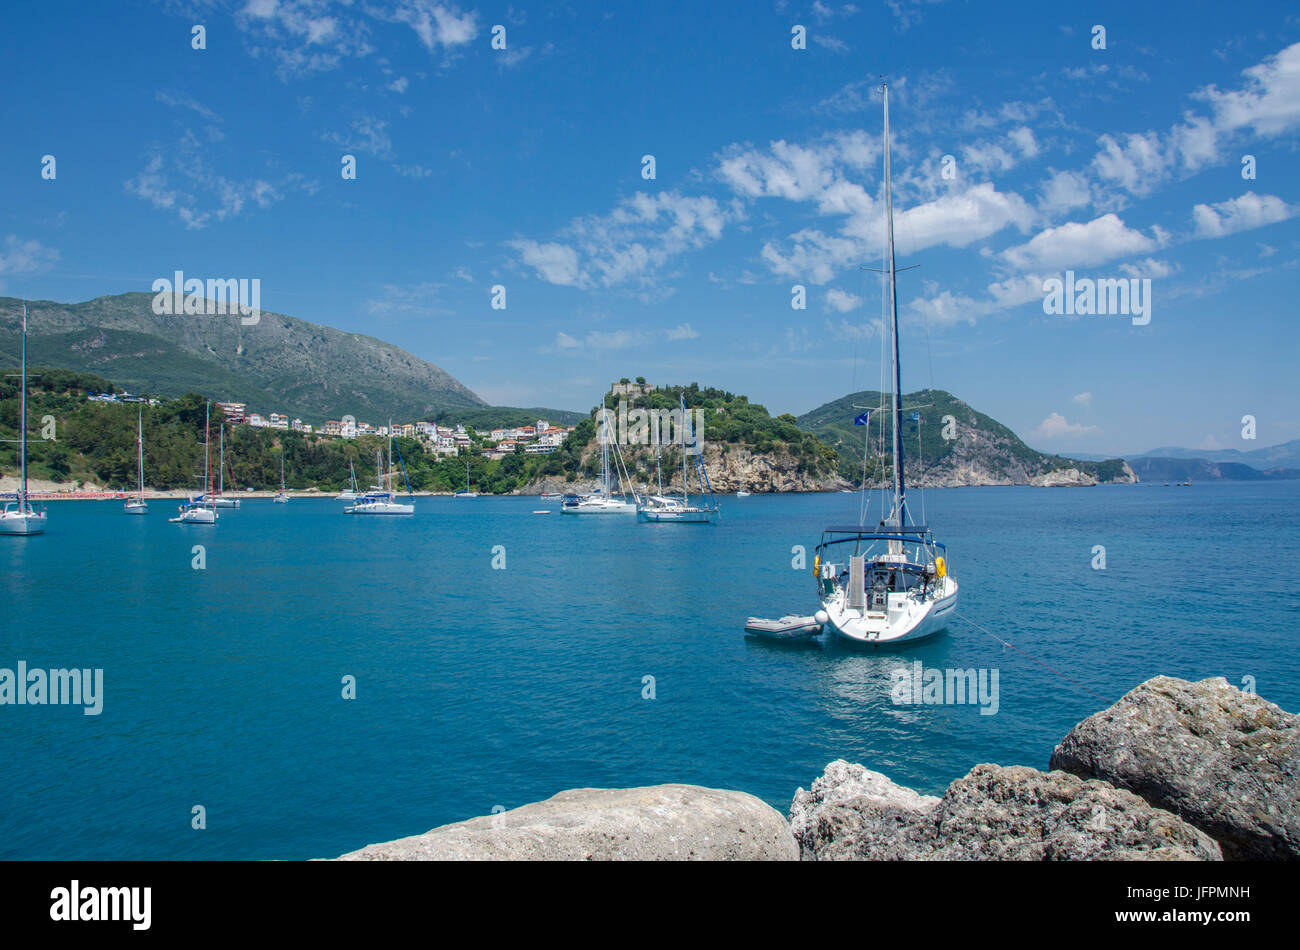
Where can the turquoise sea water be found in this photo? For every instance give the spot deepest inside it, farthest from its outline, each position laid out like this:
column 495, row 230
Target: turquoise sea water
column 479, row 687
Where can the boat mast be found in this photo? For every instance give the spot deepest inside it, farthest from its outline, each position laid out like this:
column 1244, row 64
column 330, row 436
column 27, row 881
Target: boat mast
column 140, row 443
column 22, row 438
column 207, row 452
column 221, row 474
column 898, row 515
column 685, row 422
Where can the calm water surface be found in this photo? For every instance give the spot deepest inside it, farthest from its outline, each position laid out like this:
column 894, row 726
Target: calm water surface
column 479, row 687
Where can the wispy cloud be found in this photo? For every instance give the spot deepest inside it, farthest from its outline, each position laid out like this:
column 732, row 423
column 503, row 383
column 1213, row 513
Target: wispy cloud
column 630, row 245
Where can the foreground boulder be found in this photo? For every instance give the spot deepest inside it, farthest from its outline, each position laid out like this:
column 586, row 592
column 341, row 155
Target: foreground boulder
column 658, row 823
column 1227, row 762
column 995, row 813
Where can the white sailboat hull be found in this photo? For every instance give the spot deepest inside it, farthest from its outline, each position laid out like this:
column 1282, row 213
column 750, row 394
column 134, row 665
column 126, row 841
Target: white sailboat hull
column 600, row 506
column 136, row 508
column 196, row 516
column 906, row 620
column 380, row 508
column 677, row 515
column 218, row 501
column 22, row 523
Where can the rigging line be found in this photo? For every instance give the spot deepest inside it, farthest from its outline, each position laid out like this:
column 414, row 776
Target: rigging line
column 1006, row 643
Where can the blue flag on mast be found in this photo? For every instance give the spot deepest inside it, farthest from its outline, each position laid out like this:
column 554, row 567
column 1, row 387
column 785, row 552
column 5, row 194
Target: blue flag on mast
column 864, row 419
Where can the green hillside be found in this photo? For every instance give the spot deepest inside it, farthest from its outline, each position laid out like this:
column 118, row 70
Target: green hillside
column 980, row 449
column 281, row 364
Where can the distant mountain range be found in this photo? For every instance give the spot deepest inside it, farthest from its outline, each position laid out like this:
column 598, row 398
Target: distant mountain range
column 977, row 449
column 1282, row 456
column 281, row 364
column 1173, row 463
column 1156, row 469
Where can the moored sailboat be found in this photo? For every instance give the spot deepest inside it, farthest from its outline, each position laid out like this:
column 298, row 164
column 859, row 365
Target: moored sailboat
column 380, row 501
column 467, row 492
column 350, row 493
column 281, row 497
column 895, row 586
column 201, row 510
column 602, row 500
column 137, row 505
column 20, row 516
column 659, row 509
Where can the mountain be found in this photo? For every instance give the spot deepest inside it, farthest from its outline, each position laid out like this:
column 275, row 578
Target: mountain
column 979, row 451
column 280, row 364
column 744, row 447
column 1155, row 469
column 1284, row 455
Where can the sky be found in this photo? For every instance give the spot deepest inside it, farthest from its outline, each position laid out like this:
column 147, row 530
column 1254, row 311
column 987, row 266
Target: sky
column 1114, row 140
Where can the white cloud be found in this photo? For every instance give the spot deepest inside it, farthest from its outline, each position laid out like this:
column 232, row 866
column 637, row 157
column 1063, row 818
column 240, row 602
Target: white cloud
column 842, row 301
column 20, row 257
column 1056, row 426
column 1148, row 267
column 960, row 218
column 418, row 300
column 1137, row 163
column 1269, row 103
column 399, row 84
column 182, row 101
column 683, row 331
column 1064, row 191
column 628, row 245
column 179, row 179
column 1082, row 399
column 1080, row 245
column 1240, row 214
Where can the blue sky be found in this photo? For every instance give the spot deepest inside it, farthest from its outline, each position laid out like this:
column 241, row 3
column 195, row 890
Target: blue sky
column 523, row 167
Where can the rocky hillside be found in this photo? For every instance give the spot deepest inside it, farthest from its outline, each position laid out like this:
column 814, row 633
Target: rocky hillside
column 279, row 364
column 745, row 447
column 951, row 444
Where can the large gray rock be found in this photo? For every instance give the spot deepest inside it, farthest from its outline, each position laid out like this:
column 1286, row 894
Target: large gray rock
column 843, row 782
column 1226, row 761
column 998, row 813
column 658, row 823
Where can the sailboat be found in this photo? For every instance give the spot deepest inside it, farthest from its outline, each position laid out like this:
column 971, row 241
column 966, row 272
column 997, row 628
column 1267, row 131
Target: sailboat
column 202, row 510
column 602, row 500
column 467, row 493
column 136, row 505
column 895, row 586
column 350, row 493
column 280, row 497
column 219, row 500
column 380, row 501
column 20, row 516
column 660, row 509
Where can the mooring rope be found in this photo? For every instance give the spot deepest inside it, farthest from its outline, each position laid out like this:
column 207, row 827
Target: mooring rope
column 1045, row 666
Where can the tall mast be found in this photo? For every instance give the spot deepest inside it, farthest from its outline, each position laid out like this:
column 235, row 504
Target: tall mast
column 207, row 451
column 221, row 465
column 140, row 443
column 682, row 401
column 898, row 515
column 22, row 438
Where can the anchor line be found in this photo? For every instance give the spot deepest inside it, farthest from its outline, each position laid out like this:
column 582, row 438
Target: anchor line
column 1051, row 669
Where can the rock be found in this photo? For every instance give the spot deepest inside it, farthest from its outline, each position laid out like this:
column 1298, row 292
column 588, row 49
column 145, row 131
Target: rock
column 995, row 813
column 1064, row 478
column 658, row 823
column 1227, row 762
column 842, row 782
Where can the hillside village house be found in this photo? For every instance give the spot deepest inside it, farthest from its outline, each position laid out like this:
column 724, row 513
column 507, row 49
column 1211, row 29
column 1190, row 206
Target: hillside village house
column 234, row 411
column 540, row 438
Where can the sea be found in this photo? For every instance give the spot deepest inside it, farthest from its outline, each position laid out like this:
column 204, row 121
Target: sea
column 295, row 682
